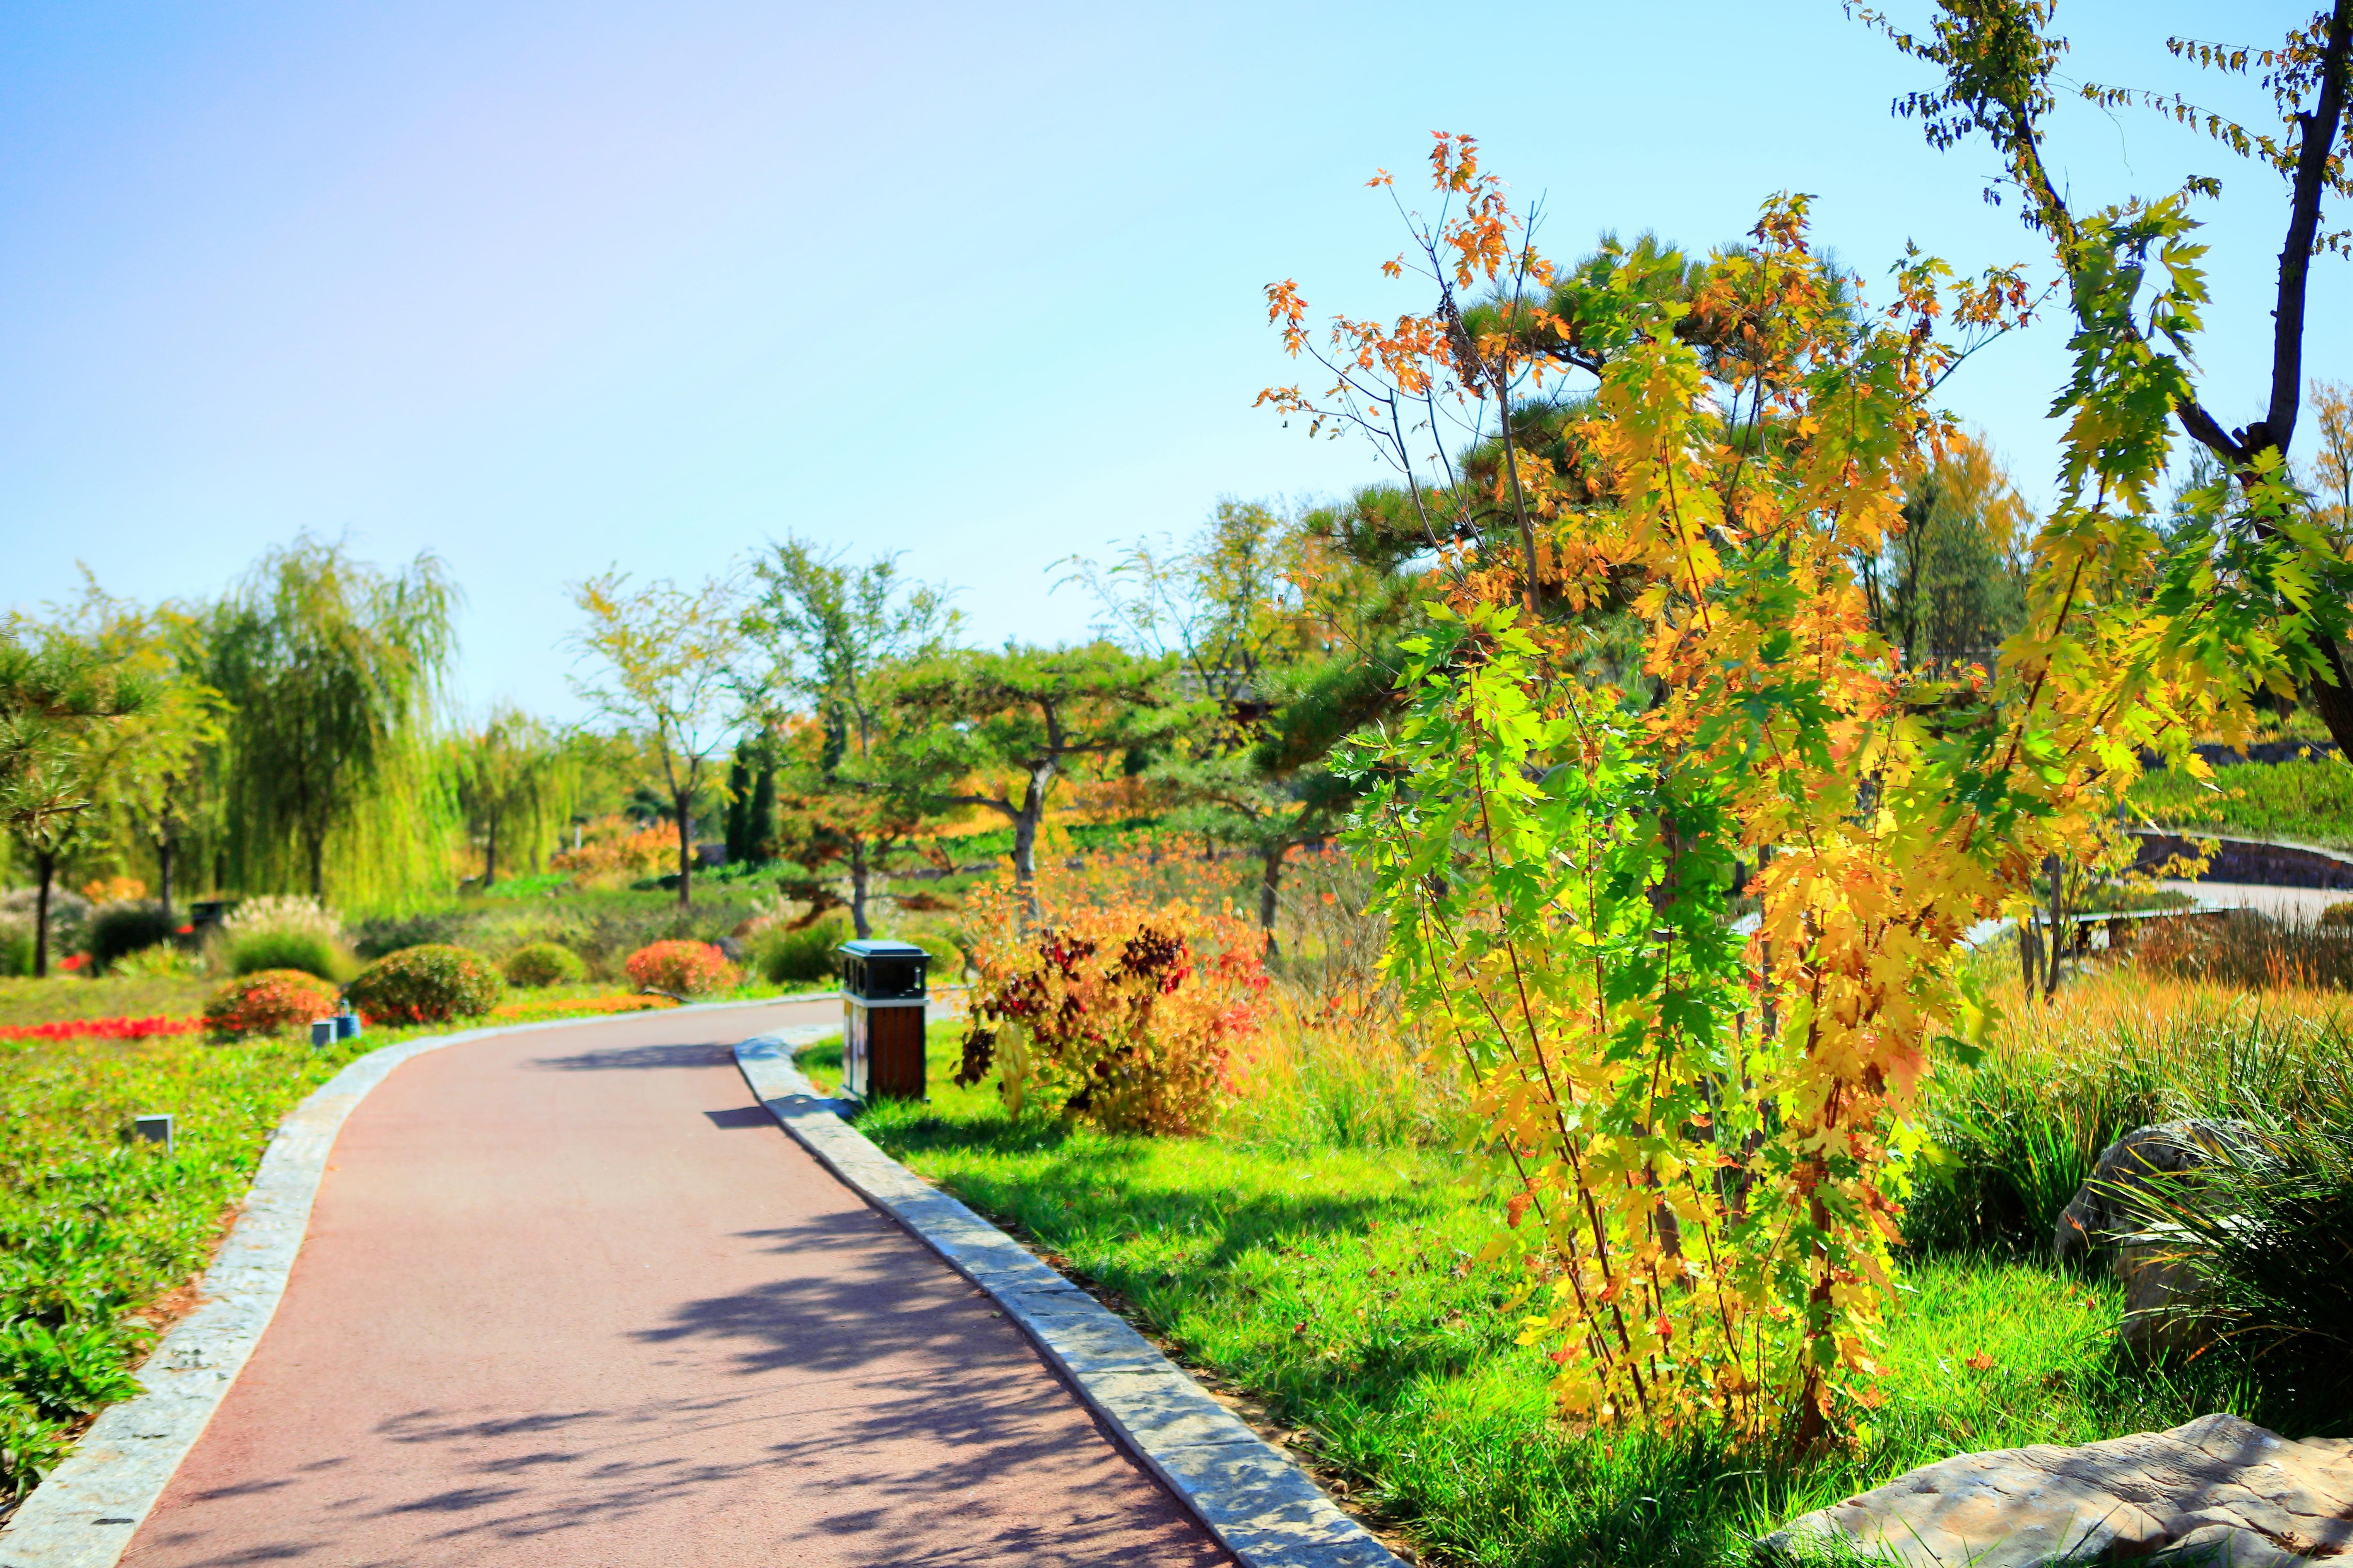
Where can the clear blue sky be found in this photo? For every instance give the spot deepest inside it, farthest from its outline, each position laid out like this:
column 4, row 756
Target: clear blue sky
column 546, row 288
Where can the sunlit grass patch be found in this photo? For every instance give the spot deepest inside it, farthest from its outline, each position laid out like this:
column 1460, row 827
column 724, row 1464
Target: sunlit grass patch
column 1338, row 1288
column 2309, row 800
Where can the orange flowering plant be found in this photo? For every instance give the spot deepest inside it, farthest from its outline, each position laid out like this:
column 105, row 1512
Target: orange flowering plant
column 1116, row 1012
column 1701, row 1127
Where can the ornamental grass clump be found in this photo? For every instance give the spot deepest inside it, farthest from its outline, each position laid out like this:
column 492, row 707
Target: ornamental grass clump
column 680, row 968
column 428, row 985
column 1118, row 1015
column 274, row 933
column 542, row 964
column 267, row 1004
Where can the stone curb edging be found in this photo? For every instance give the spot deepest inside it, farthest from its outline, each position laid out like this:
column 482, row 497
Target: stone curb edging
column 85, row 1512
column 1259, row 1504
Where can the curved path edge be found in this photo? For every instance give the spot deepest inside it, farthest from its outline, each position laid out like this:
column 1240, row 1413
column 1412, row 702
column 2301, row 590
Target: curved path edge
column 1262, row 1507
column 85, row 1512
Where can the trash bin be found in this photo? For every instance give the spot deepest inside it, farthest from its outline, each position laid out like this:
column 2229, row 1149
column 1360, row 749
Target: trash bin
column 882, row 1001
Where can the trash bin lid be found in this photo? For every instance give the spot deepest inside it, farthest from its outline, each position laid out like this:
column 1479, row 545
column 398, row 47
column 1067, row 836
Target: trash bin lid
column 876, row 948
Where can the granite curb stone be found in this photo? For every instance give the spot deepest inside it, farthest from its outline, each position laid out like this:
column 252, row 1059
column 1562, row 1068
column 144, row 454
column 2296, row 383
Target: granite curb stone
column 84, row 1514
column 1260, row 1505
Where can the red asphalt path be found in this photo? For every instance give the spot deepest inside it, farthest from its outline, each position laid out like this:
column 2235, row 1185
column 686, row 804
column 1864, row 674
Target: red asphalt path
column 573, row 1297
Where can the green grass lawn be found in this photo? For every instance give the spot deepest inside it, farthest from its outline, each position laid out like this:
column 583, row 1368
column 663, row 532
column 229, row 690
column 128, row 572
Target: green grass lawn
column 1337, row 1290
column 62, row 996
column 2309, row 801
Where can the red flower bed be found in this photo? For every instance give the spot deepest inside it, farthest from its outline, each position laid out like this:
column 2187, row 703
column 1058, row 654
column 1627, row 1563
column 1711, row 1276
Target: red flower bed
column 102, row 1029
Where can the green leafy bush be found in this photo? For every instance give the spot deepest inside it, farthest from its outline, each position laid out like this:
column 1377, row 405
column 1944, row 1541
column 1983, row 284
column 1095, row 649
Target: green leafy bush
column 2340, row 913
column 15, row 947
column 682, row 968
column 66, row 1370
column 120, row 930
column 544, row 964
column 788, row 957
column 425, row 986
column 266, row 1002
column 30, row 1446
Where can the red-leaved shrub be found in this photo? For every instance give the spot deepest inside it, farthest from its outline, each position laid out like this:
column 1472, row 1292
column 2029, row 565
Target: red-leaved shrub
column 1119, row 1014
column 682, row 968
column 268, row 1002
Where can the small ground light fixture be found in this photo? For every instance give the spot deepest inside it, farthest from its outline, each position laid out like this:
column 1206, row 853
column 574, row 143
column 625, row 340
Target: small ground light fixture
column 322, row 1031
column 154, row 1130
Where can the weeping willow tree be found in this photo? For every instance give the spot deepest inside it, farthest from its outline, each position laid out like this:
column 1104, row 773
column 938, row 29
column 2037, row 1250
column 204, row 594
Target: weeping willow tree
column 517, row 783
column 334, row 673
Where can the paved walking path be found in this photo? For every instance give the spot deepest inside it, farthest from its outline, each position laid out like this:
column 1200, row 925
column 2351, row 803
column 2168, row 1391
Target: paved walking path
column 571, row 1297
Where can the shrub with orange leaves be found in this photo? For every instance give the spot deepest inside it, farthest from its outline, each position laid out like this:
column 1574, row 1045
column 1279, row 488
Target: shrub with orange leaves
column 680, row 968
column 1120, row 1013
column 613, row 850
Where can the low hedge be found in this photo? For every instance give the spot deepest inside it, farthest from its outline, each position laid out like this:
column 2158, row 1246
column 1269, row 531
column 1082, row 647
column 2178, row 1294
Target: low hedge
column 544, row 964
column 427, row 984
column 266, row 1002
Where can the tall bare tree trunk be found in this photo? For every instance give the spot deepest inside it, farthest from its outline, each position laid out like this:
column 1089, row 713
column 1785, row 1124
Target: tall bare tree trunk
column 685, row 850
column 163, row 874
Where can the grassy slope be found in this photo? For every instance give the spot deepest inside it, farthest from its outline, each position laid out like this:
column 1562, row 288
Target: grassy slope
column 1338, row 1288
column 2310, row 801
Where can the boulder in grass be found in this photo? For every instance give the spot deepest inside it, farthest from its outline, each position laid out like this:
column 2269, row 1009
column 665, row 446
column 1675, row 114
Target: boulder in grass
column 2217, row 1490
column 2155, row 1258
column 2106, row 1208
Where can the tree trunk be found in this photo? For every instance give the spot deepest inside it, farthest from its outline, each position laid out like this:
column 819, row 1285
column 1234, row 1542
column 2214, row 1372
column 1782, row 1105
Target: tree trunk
column 2334, row 703
column 47, row 866
column 490, row 854
column 163, row 875
column 685, row 851
column 1025, row 832
column 858, row 889
column 315, row 848
column 1268, row 885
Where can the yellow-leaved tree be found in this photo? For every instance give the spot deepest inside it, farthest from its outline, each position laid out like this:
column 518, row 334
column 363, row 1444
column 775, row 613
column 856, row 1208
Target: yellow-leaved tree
column 1702, row 1122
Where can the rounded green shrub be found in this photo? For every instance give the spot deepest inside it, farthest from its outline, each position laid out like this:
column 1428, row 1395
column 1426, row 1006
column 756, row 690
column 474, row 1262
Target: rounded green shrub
column 2340, row 913
column 120, row 930
column 251, row 953
column 426, row 985
column 266, row 1002
column 788, row 957
column 544, row 964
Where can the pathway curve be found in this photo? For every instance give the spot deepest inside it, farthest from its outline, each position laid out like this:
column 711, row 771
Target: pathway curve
column 571, row 1297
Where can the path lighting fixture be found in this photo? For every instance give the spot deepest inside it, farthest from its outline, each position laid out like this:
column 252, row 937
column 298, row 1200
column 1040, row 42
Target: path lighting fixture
column 153, row 1130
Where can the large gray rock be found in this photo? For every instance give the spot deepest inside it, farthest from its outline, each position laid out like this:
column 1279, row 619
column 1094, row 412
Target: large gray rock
column 2219, row 1491
column 2107, row 1207
column 2156, row 1259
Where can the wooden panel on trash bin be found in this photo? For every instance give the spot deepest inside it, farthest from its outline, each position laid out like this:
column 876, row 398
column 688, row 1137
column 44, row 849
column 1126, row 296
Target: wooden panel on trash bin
column 895, row 1052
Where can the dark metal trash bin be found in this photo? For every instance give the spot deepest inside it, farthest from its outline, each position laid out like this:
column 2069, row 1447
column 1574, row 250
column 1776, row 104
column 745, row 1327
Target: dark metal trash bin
column 882, row 1000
